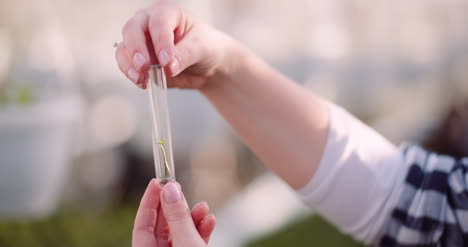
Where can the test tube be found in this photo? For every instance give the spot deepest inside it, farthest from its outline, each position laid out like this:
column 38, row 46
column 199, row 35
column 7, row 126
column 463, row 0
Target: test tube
column 162, row 143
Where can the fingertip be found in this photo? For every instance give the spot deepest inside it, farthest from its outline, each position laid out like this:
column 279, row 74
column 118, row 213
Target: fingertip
column 154, row 189
column 207, row 227
column 163, row 57
column 201, row 205
column 156, row 182
column 175, row 67
column 210, row 219
column 125, row 65
column 199, row 212
column 133, row 75
column 172, row 193
column 140, row 61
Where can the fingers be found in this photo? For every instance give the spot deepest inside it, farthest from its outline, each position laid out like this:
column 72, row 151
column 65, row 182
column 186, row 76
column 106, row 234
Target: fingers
column 134, row 38
column 204, row 223
column 126, row 66
column 178, row 217
column 199, row 212
column 162, row 23
column 145, row 220
column 162, row 230
column 160, row 34
column 185, row 53
column 206, row 227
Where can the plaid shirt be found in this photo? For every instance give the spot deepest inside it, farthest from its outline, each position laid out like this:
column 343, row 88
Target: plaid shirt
column 432, row 209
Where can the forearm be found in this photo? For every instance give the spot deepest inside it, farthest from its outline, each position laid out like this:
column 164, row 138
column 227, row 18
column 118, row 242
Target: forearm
column 283, row 123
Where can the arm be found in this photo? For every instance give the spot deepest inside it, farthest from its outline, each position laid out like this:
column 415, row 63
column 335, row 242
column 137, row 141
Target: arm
column 284, row 124
column 338, row 165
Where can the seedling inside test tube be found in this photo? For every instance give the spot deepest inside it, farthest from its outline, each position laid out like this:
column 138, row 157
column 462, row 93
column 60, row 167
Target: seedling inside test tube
column 162, row 142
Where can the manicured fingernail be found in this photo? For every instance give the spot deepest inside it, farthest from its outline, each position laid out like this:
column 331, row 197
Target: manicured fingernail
column 139, row 60
column 175, row 67
column 133, row 75
column 163, row 58
column 171, row 193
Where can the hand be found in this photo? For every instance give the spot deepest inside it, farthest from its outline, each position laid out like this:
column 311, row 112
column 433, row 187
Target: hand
column 191, row 52
column 164, row 212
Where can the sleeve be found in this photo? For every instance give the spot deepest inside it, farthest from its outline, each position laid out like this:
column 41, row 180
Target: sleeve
column 432, row 209
column 356, row 184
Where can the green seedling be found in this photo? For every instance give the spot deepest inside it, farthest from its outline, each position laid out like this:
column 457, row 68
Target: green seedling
column 167, row 172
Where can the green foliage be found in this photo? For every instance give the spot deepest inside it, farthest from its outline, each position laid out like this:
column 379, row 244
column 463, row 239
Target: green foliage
column 71, row 229
column 113, row 229
column 312, row 231
column 21, row 94
column 3, row 98
column 24, row 95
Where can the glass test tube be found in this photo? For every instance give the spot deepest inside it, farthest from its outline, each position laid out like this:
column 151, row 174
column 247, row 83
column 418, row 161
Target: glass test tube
column 162, row 143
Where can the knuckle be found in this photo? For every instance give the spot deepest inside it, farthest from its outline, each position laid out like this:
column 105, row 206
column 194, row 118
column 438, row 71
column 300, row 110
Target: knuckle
column 146, row 219
column 128, row 27
column 155, row 22
column 116, row 55
column 159, row 17
column 141, row 18
column 183, row 55
column 140, row 12
column 143, row 230
column 120, row 63
column 178, row 212
column 119, row 56
column 177, row 217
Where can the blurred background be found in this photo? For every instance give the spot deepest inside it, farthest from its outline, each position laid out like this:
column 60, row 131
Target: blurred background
column 75, row 143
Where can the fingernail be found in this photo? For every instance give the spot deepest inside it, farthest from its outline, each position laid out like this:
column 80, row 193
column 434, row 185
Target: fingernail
column 155, row 181
column 171, row 193
column 133, row 75
column 200, row 204
column 139, row 60
column 163, row 58
column 175, row 67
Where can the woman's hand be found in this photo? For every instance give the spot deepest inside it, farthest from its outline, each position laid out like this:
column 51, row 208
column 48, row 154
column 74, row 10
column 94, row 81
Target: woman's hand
column 191, row 52
column 164, row 212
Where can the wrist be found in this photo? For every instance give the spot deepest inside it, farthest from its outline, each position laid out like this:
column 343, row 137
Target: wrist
column 232, row 57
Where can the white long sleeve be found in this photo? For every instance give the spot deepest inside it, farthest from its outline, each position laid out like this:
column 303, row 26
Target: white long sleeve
column 356, row 184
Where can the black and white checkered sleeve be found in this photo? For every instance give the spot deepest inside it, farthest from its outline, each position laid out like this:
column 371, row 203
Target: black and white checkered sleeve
column 432, row 209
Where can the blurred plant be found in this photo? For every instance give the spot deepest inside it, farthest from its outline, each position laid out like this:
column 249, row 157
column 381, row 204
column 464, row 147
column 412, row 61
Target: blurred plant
column 24, row 94
column 74, row 229
column 3, row 98
column 17, row 93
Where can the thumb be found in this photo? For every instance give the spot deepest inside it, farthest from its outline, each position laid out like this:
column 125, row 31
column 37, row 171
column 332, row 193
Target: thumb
column 187, row 52
column 177, row 213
